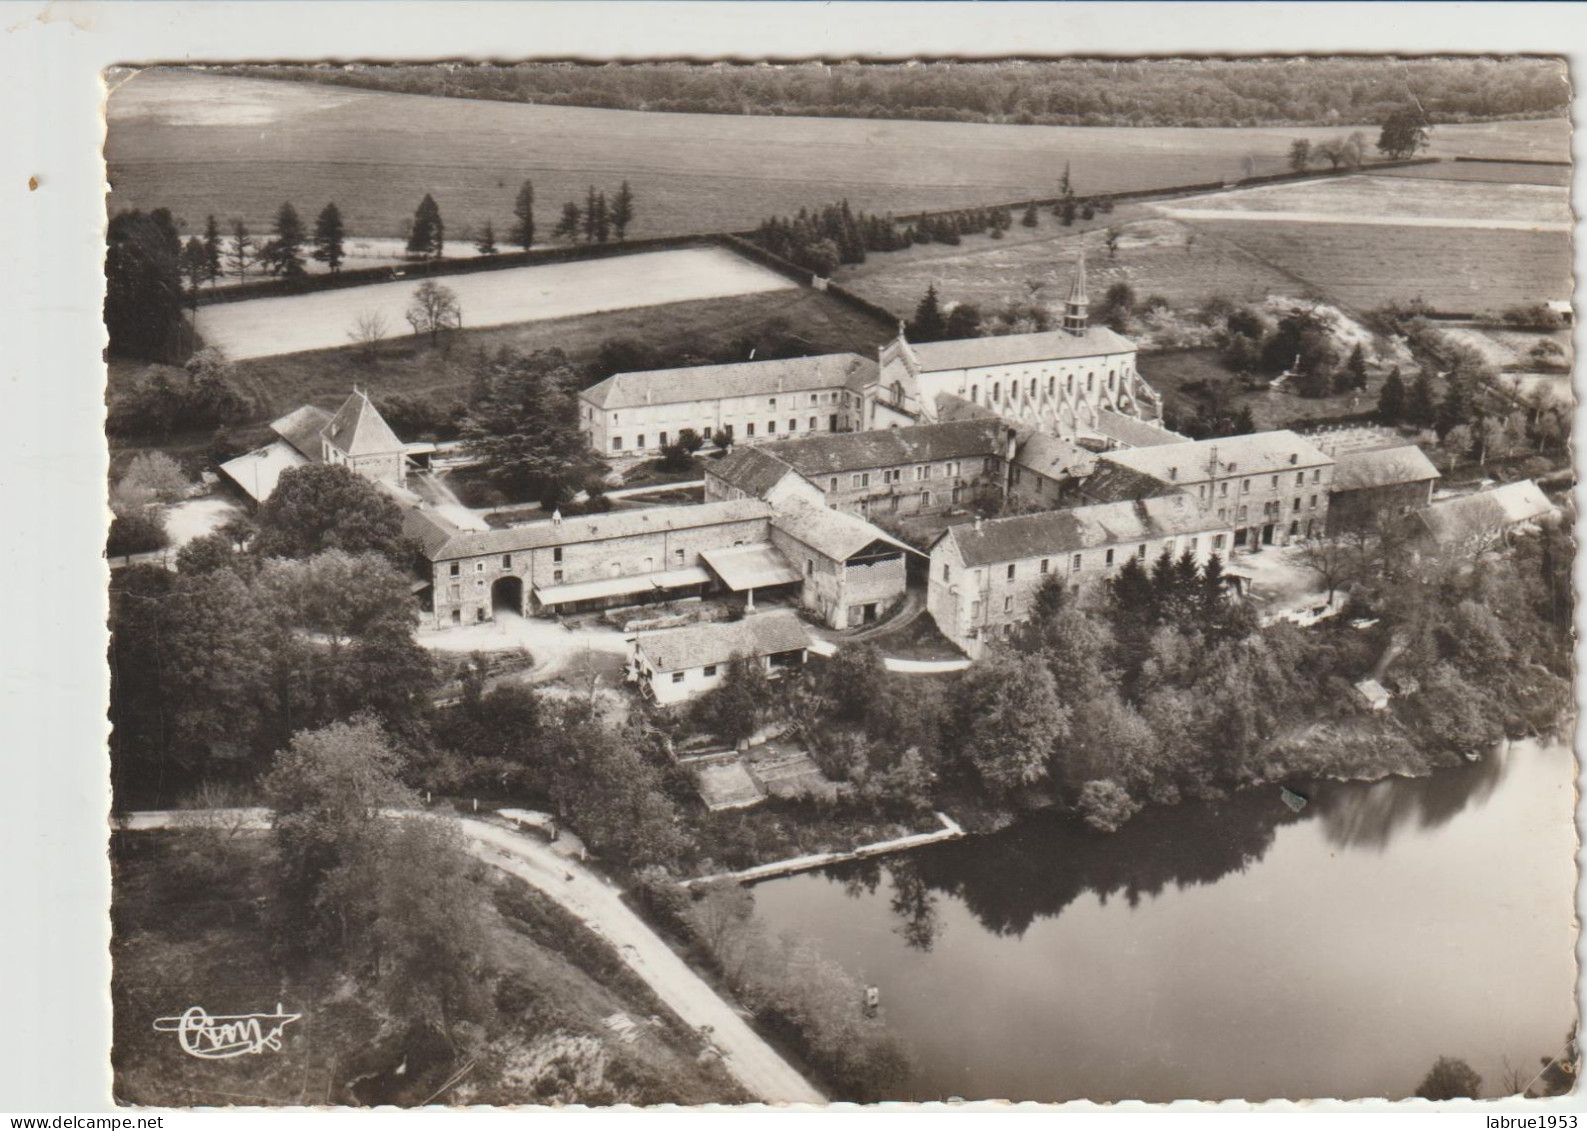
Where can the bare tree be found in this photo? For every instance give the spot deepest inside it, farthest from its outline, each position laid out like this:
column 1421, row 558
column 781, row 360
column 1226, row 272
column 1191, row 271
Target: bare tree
column 434, row 309
column 369, row 330
column 1333, row 560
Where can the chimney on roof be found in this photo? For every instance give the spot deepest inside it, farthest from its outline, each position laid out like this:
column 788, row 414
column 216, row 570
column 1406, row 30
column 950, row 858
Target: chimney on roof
column 1294, row 458
column 1173, row 473
column 647, row 394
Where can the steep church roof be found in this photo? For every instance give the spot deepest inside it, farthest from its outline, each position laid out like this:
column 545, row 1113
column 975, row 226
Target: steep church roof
column 1015, row 349
column 358, row 429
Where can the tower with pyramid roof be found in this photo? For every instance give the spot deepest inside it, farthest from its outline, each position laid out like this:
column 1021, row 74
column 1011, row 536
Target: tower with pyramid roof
column 1076, row 318
column 359, row 438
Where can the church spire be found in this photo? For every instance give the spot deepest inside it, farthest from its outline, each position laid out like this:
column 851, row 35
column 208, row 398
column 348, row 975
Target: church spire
column 1075, row 316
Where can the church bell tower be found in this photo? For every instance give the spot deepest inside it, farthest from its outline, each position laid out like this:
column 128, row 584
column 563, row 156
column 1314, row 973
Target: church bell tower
column 1076, row 318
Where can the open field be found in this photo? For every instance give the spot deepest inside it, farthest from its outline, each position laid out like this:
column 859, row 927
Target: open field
column 1156, row 256
column 1556, row 175
column 410, row 366
column 1394, row 201
column 199, row 144
column 1370, row 265
column 1502, row 347
column 263, row 327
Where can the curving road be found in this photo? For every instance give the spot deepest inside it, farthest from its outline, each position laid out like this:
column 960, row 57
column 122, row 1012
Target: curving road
column 750, row 1060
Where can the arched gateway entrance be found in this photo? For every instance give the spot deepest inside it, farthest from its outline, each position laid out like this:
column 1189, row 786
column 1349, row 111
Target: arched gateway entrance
column 506, row 596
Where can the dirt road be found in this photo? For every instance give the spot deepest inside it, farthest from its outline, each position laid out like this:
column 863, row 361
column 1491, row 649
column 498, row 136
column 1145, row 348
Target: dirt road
column 752, row 1062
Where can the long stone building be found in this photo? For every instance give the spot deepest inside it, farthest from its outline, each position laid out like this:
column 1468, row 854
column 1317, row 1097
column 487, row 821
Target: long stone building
column 1269, row 487
column 746, row 402
column 839, row 567
column 928, row 469
column 985, row 575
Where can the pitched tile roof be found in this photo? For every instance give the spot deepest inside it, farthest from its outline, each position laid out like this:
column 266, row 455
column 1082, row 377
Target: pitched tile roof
column 1115, row 483
column 429, row 529
column 951, row 406
column 1381, row 467
column 1014, row 349
column 836, row 534
column 1054, row 457
column 1133, row 432
column 763, row 634
column 837, row 452
column 1080, row 528
column 301, row 428
column 358, row 429
column 751, row 469
column 738, row 379
column 596, row 528
column 1255, row 454
column 1486, row 511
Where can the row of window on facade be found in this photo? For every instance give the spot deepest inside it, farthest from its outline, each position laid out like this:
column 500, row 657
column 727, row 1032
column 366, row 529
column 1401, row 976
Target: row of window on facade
column 1077, row 561
column 1273, row 508
column 771, row 403
column 995, row 393
column 614, row 569
column 706, row 433
column 922, row 472
column 1245, row 485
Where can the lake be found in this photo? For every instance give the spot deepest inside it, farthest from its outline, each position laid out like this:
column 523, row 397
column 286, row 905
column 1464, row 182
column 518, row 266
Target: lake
column 1225, row 950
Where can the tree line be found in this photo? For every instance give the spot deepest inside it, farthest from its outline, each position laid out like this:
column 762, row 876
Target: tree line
column 152, row 274
column 1068, row 92
column 1166, row 688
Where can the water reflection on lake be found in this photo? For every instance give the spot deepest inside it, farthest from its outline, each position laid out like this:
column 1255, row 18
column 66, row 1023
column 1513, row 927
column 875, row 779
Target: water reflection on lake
column 1234, row 949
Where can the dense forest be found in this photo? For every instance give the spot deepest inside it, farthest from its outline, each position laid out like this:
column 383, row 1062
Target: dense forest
column 1068, row 92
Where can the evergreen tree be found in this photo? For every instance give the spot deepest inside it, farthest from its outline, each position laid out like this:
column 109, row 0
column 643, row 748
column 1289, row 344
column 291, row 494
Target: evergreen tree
column 622, row 211
column 284, row 254
column 328, row 237
column 589, row 215
column 195, row 268
column 1391, row 399
column 240, row 250
column 568, row 226
column 486, row 243
column 1457, row 406
column 1355, row 369
column 429, row 235
column 523, row 210
column 928, row 325
column 1030, row 219
column 212, row 248
column 1244, row 422
column 1420, row 409
column 602, row 222
column 143, row 274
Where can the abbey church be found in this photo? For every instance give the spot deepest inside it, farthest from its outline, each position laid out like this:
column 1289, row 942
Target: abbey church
column 1059, row 382
column 1076, row 384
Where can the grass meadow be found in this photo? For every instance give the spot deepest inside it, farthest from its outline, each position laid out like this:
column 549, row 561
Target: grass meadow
column 412, row 367
column 261, row 327
column 198, row 144
column 1367, row 266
